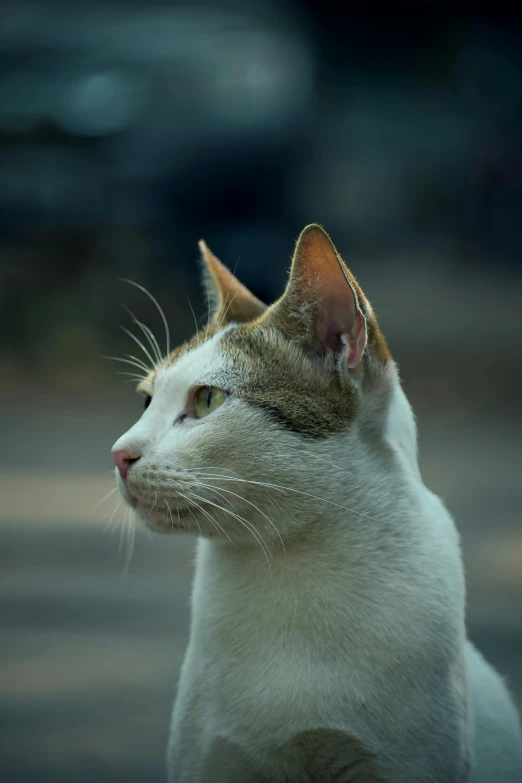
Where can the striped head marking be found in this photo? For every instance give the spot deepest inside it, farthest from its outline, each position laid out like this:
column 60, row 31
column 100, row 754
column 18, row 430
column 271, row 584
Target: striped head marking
column 245, row 407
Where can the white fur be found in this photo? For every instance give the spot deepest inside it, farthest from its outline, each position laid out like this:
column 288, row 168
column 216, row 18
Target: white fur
column 358, row 626
column 171, row 388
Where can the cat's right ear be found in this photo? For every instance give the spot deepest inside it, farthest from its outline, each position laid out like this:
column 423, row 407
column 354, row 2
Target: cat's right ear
column 229, row 300
column 323, row 307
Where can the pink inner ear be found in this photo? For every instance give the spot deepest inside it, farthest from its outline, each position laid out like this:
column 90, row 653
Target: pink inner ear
column 319, row 278
column 340, row 316
column 357, row 342
column 336, row 323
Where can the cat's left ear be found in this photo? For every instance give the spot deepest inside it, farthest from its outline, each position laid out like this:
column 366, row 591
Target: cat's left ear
column 322, row 306
column 229, row 300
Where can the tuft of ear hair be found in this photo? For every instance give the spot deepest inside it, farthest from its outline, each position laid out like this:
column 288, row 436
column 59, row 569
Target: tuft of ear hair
column 229, row 300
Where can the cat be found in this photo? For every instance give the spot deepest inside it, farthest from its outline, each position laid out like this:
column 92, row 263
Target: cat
column 328, row 639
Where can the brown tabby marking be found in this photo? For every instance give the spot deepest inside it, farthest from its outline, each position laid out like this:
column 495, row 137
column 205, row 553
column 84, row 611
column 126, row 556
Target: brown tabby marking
column 296, row 391
column 331, row 756
column 317, row 756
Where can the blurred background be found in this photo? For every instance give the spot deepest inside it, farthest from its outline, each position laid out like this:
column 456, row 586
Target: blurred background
column 128, row 131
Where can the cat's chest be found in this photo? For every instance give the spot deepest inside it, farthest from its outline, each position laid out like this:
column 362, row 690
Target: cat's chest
column 256, row 700
column 278, row 660
column 253, row 692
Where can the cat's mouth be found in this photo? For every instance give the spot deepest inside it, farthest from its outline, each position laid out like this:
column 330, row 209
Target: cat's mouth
column 162, row 516
column 165, row 515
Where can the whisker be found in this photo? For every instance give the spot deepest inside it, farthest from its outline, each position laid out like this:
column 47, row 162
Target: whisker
column 217, row 492
column 191, row 512
column 133, row 378
column 204, row 471
column 194, row 518
column 122, row 532
column 189, row 508
column 136, row 363
column 201, row 474
column 208, row 306
column 226, row 298
column 140, row 362
column 105, row 497
column 223, row 316
column 148, row 334
column 291, row 489
column 228, row 491
column 212, row 519
column 170, row 512
column 131, row 539
column 162, row 314
column 138, row 342
column 328, row 462
column 131, row 374
column 195, row 320
column 112, row 515
column 245, row 523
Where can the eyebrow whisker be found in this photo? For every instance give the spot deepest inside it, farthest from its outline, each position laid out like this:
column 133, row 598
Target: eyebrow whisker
column 162, row 314
column 136, row 340
column 148, row 334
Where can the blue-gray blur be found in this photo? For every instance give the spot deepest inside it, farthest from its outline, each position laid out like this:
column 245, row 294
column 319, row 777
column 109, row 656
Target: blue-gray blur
column 127, row 132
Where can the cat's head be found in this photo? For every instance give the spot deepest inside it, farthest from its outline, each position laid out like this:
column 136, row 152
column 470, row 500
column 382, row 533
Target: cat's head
column 242, row 425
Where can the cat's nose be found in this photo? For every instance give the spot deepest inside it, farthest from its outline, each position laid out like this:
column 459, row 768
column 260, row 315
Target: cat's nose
column 123, row 459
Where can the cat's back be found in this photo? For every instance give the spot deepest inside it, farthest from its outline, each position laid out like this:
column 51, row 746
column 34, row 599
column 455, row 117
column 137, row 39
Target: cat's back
column 495, row 732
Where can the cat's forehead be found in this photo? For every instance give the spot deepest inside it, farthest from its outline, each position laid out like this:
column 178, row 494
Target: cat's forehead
column 212, row 352
column 233, row 350
column 200, row 361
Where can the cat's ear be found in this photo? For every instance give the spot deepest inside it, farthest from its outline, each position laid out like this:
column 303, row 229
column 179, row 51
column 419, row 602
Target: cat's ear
column 322, row 305
column 229, row 300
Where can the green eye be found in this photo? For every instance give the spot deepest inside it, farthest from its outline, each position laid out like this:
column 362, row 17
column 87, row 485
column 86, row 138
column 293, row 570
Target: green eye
column 207, row 399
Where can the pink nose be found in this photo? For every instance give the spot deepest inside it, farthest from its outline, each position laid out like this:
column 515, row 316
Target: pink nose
column 123, row 460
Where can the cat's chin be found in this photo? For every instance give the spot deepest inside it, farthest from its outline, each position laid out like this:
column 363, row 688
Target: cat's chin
column 157, row 517
column 161, row 520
